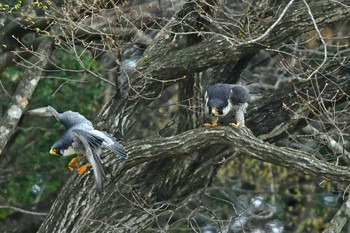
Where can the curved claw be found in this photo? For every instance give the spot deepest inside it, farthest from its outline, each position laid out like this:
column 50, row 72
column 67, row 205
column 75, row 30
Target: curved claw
column 83, row 168
column 73, row 163
column 215, row 123
column 235, row 124
column 211, row 125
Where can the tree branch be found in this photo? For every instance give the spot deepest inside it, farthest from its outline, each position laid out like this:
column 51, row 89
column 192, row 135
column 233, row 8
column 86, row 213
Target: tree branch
column 22, row 210
column 135, row 193
column 339, row 219
column 24, row 92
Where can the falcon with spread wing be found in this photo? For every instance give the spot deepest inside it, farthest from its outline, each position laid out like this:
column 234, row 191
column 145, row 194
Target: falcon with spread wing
column 82, row 139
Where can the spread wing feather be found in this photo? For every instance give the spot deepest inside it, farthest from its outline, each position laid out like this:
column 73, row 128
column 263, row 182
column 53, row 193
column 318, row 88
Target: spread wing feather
column 109, row 143
column 114, row 146
column 90, row 143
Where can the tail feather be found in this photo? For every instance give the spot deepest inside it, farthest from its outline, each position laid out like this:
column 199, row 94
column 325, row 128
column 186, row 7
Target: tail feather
column 100, row 175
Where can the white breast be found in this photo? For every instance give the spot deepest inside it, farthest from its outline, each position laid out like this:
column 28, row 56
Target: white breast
column 69, row 151
column 227, row 109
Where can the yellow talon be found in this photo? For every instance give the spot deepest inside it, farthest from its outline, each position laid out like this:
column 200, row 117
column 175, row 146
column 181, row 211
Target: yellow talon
column 215, row 123
column 210, row 125
column 235, row 124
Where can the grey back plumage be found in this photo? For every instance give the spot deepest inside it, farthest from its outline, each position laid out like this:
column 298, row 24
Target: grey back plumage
column 218, row 91
column 239, row 94
column 70, row 118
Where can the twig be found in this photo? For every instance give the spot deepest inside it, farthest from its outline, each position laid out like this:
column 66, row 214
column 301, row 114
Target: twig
column 322, row 40
column 272, row 26
column 331, row 143
column 22, row 210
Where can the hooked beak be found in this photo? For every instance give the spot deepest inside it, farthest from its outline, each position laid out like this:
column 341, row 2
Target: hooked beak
column 215, row 111
column 53, row 152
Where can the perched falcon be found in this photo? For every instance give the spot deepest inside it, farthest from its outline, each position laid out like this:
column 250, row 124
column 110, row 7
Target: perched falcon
column 82, row 139
column 226, row 99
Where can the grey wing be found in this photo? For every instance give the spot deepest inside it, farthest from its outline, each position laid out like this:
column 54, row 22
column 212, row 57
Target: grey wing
column 91, row 152
column 239, row 94
column 239, row 97
column 93, row 140
column 45, row 112
column 68, row 118
column 114, row 146
column 110, row 143
column 53, row 112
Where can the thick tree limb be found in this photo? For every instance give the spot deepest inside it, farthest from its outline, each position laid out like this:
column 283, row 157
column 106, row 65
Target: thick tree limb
column 166, row 170
column 220, row 49
column 164, row 64
column 340, row 218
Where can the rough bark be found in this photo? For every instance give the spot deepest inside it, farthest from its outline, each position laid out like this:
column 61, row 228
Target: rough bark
column 340, row 219
column 163, row 63
column 165, row 170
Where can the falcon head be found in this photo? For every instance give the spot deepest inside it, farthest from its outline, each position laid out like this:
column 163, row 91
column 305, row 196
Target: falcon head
column 63, row 146
column 218, row 107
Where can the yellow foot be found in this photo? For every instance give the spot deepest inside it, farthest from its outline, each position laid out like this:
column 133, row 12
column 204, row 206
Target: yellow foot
column 235, row 124
column 73, row 163
column 215, row 123
column 211, row 125
column 83, row 168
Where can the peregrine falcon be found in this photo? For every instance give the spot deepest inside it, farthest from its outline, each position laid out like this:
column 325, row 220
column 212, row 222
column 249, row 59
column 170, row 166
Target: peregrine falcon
column 223, row 99
column 82, row 139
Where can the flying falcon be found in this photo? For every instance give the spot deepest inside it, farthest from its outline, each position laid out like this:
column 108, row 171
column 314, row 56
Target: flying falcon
column 82, row 139
column 226, row 99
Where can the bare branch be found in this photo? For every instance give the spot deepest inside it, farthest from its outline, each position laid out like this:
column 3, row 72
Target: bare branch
column 22, row 210
column 330, row 142
column 325, row 54
column 268, row 31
